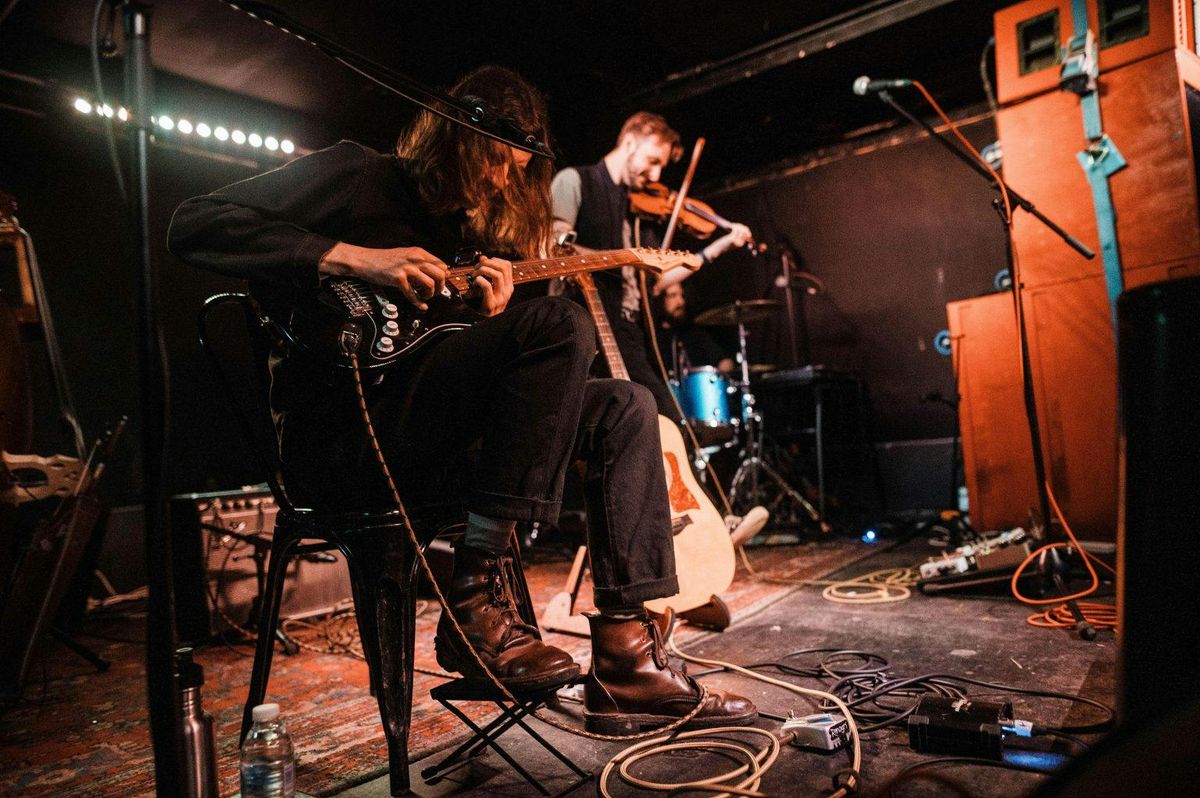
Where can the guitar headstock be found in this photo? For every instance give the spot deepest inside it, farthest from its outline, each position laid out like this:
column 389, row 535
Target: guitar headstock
column 657, row 260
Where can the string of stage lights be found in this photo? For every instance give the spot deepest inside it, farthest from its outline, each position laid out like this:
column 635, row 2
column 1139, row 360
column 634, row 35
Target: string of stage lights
column 276, row 146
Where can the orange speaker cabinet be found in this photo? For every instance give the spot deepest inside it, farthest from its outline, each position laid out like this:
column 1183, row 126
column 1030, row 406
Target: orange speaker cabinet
column 1030, row 37
column 997, row 456
column 1145, row 111
column 1074, row 357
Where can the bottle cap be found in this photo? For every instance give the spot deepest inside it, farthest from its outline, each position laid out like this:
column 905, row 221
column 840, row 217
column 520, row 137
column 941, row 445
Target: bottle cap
column 264, row 713
column 188, row 672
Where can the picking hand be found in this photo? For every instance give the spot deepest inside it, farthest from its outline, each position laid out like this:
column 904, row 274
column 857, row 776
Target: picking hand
column 418, row 274
column 491, row 285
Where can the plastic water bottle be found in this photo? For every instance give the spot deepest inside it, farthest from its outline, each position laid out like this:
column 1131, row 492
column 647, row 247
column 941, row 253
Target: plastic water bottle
column 268, row 759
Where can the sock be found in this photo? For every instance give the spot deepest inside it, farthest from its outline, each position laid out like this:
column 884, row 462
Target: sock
column 488, row 534
column 626, row 612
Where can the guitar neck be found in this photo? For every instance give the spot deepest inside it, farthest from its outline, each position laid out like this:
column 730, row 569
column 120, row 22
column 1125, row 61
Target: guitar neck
column 608, row 342
column 544, row 269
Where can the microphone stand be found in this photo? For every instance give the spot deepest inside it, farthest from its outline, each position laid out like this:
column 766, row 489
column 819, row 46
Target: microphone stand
column 1050, row 566
column 794, row 309
column 169, row 768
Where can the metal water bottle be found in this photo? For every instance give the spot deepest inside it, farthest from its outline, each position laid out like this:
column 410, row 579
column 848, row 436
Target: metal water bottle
column 197, row 741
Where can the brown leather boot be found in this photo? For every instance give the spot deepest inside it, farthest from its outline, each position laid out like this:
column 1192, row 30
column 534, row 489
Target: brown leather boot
column 633, row 687
column 482, row 600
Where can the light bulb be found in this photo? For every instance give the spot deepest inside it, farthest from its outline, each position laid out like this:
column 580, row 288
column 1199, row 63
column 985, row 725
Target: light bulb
column 184, row 126
column 83, row 106
column 203, row 130
column 166, row 123
column 238, row 137
column 221, row 133
column 287, row 146
column 254, row 139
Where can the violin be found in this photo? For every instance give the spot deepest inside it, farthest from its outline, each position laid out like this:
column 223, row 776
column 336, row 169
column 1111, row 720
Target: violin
column 656, row 202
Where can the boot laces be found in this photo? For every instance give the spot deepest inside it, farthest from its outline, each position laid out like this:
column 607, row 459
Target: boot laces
column 503, row 598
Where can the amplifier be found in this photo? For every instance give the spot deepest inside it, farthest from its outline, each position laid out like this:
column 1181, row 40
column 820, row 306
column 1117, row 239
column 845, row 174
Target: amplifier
column 215, row 572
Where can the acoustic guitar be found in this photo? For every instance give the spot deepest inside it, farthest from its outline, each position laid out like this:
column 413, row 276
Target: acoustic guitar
column 704, row 555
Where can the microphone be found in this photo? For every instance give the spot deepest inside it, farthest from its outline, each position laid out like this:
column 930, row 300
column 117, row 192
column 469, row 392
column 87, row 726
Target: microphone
column 864, row 84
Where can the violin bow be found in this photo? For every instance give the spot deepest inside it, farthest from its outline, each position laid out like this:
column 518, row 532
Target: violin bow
column 681, row 195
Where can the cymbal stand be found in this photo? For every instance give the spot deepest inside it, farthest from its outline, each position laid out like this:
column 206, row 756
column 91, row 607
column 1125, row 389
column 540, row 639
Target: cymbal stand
column 756, row 473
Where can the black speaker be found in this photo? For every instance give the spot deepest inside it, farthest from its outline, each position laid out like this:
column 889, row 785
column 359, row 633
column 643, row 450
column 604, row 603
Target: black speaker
column 1158, row 539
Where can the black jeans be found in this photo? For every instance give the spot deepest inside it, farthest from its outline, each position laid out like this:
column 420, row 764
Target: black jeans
column 515, row 388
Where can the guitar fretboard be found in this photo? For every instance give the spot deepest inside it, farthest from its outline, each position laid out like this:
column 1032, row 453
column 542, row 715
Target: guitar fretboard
column 547, row 268
column 608, row 342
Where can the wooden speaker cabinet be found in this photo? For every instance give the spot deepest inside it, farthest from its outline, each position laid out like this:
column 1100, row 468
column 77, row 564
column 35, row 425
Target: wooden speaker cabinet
column 997, row 456
column 1150, row 104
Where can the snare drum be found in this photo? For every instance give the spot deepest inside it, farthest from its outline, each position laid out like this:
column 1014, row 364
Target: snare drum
column 706, row 396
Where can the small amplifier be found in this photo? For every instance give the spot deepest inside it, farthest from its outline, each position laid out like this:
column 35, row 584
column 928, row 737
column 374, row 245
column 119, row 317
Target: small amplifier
column 215, row 539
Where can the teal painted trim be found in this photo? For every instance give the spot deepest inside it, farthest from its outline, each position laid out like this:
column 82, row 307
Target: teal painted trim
column 1099, row 162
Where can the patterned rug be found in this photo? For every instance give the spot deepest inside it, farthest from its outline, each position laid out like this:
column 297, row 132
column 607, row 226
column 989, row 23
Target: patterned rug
column 79, row 732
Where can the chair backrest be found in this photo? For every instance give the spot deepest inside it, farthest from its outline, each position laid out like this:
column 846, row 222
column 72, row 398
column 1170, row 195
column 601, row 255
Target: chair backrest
column 247, row 394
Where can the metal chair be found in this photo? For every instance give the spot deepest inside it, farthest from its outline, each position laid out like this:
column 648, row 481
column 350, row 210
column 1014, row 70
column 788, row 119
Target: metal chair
column 382, row 562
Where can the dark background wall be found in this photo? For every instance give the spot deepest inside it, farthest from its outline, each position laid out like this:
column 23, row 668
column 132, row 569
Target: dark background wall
column 68, row 202
column 894, row 230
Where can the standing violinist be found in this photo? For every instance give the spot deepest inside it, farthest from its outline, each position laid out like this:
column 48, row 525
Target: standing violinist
column 594, row 202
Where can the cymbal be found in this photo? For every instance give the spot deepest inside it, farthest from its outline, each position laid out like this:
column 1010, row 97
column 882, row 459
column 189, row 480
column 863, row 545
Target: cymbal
column 762, row 368
column 747, row 311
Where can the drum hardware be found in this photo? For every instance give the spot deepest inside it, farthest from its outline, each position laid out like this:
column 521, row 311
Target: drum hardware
column 755, row 482
column 742, row 311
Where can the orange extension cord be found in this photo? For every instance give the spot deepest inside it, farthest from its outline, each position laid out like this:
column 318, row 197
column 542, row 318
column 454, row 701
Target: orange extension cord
column 1100, row 616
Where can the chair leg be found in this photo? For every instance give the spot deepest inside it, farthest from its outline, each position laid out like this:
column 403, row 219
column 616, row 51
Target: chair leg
column 268, row 619
column 386, row 624
column 362, row 588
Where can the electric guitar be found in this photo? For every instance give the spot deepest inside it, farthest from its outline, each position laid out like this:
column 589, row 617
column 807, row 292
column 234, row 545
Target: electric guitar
column 379, row 326
column 704, row 555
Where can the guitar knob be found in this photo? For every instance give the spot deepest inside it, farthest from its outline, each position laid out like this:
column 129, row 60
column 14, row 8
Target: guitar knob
column 391, row 328
column 390, row 311
column 385, row 345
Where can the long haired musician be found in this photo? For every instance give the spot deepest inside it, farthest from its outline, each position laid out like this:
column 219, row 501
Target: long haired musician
column 513, row 389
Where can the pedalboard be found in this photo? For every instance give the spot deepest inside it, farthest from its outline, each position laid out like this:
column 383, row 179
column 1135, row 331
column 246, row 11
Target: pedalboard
column 1006, row 550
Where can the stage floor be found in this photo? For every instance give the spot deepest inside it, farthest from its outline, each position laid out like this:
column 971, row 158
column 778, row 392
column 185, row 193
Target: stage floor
column 78, row 732
column 984, row 637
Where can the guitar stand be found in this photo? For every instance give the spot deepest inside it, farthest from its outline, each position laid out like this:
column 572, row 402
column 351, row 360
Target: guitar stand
column 487, row 736
column 98, row 662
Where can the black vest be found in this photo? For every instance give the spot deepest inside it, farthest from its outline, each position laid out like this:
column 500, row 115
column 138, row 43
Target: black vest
column 603, row 208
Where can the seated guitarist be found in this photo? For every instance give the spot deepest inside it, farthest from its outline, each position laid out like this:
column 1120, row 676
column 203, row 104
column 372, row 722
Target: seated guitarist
column 514, row 388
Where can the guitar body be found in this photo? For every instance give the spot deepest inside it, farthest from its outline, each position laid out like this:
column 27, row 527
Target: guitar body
column 376, row 324
column 704, row 556
column 350, row 321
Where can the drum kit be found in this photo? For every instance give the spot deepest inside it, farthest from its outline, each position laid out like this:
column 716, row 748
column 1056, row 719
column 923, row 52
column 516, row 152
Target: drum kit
column 723, row 413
